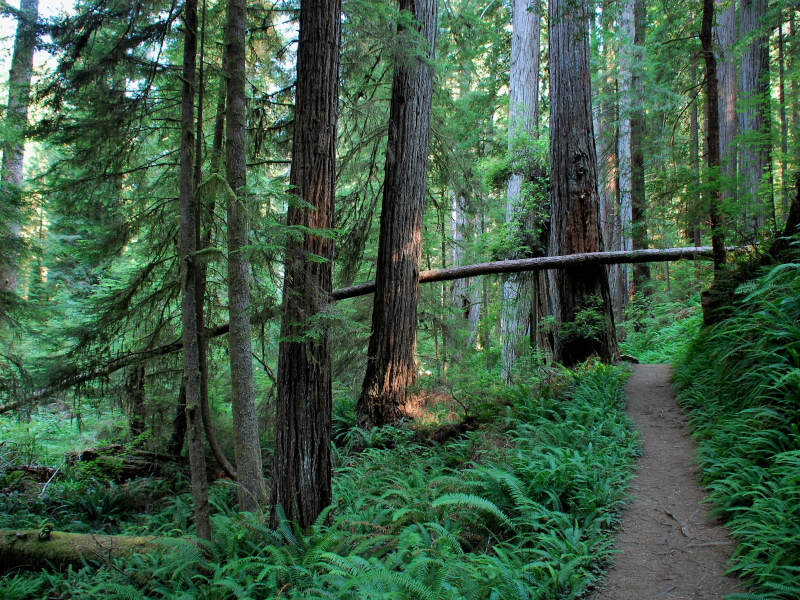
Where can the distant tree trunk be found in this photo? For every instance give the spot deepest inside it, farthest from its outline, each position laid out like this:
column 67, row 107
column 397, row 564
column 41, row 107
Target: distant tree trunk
column 465, row 295
column 523, row 121
column 204, row 240
column 178, row 424
column 19, row 86
column 754, row 124
column 712, row 135
column 575, row 205
column 134, row 388
column 641, row 272
column 188, row 245
column 249, row 471
column 725, row 34
column 695, row 208
column 392, row 343
column 625, row 148
column 302, row 465
column 784, row 125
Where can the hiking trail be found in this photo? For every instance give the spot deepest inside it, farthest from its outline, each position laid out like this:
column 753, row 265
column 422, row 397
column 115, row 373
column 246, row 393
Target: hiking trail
column 669, row 549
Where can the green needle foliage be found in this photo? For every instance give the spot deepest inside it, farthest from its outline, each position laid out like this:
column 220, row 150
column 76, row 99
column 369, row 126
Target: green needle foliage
column 525, row 507
column 740, row 381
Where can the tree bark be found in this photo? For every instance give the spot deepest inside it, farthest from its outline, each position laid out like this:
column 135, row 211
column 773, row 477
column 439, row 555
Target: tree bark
column 523, row 124
column 725, row 33
column 754, row 123
column 712, row 135
column 302, row 464
column 19, row 85
column 249, row 471
column 188, row 264
column 784, row 125
column 695, row 208
column 641, row 271
column 393, row 338
column 575, row 203
column 625, row 150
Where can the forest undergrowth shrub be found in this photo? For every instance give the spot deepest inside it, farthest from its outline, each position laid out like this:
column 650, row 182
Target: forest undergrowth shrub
column 524, row 507
column 655, row 329
column 740, row 380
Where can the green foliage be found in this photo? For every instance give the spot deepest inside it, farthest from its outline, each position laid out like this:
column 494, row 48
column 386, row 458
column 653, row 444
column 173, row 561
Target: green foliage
column 656, row 332
column 740, row 381
column 523, row 508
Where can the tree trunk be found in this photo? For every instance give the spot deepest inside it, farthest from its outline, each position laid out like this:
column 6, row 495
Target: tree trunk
column 302, row 464
column 575, row 204
column 393, row 338
column 641, row 271
column 725, row 33
column 625, row 150
column 523, row 124
column 188, row 246
column 712, row 134
column 203, row 241
column 19, row 85
column 695, row 208
column 249, row 471
column 134, row 388
column 178, row 425
column 754, row 125
column 466, row 296
column 784, row 125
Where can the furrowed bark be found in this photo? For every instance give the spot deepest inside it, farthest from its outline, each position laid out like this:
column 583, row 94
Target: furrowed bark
column 392, row 343
column 575, row 203
column 188, row 264
column 754, row 125
column 712, row 135
column 302, row 464
column 619, row 297
column 19, row 85
column 725, row 34
column 250, row 473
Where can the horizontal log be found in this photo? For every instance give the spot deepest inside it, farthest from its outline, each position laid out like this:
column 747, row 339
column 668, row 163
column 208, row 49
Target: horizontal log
column 539, row 264
column 33, row 549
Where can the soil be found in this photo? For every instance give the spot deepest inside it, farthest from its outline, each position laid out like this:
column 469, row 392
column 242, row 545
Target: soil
column 668, row 546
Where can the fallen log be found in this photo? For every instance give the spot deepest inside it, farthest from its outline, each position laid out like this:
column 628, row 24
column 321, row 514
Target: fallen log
column 33, row 549
column 117, row 462
column 542, row 263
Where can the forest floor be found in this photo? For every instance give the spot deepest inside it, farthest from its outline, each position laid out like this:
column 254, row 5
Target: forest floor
column 668, row 546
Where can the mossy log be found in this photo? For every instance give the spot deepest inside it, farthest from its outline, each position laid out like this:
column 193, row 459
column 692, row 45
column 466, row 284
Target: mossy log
column 44, row 549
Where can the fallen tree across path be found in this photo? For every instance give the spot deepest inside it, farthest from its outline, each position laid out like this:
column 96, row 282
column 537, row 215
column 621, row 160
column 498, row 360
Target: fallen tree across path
column 542, row 263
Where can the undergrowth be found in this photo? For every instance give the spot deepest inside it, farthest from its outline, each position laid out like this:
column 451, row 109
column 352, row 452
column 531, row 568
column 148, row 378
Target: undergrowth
column 740, row 380
column 524, row 507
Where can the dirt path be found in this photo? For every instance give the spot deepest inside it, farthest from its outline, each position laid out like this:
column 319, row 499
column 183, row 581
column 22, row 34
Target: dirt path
column 669, row 548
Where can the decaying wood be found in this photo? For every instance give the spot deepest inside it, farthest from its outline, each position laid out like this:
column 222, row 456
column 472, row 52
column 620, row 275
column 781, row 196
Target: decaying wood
column 121, row 463
column 33, row 549
column 539, row 264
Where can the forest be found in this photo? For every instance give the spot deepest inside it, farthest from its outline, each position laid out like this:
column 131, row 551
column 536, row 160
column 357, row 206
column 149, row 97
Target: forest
column 389, row 299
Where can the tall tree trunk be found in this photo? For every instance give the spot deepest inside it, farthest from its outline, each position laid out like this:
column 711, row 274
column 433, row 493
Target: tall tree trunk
column 393, row 339
column 19, row 86
column 188, row 246
column 712, row 135
column 302, row 465
column 754, row 123
column 695, row 208
column 204, row 240
column 523, row 121
column 575, row 204
column 249, row 471
column 625, row 148
column 466, row 296
column 784, row 125
column 641, row 272
column 725, row 34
